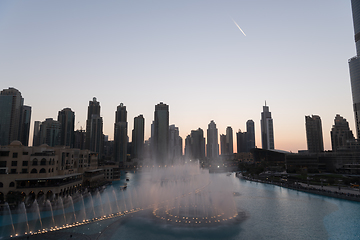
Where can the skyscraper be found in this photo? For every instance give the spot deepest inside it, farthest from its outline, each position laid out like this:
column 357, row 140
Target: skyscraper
column 50, row 132
column 94, row 128
column 267, row 129
column 175, row 143
column 314, row 134
column 212, row 147
column 120, row 135
column 160, row 140
column 14, row 117
column 250, row 135
column 67, row 119
column 229, row 140
column 138, row 137
column 340, row 133
column 223, row 145
column 241, row 141
column 354, row 65
column 195, row 145
column 36, row 136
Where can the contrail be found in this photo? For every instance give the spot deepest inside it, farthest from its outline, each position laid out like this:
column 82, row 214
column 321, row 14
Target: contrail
column 239, row 27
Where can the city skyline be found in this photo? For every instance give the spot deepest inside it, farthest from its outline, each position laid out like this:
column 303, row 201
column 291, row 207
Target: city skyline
column 188, row 55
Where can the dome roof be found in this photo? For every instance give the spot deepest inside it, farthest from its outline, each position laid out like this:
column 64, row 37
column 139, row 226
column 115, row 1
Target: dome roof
column 16, row 143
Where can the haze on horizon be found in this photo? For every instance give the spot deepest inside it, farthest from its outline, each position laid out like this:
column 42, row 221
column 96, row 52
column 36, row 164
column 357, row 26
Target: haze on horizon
column 186, row 54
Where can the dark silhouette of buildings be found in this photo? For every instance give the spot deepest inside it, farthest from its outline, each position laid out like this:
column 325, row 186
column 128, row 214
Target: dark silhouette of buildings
column 138, row 137
column 241, row 141
column 50, row 132
column 314, row 136
column 14, row 117
column 175, row 144
column 94, row 128
column 340, row 133
column 120, row 135
column 212, row 147
column 267, row 129
column 67, row 119
column 160, row 138
column 195, row 145
column 354, row 65
column 250, row 135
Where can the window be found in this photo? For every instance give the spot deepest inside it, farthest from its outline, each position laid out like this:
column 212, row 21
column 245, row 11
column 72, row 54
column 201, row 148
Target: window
column 25, row 163
column 2, row 171
column 25, row 153
column 13, row 171
column 12, row 184
column 35, row 162
column 2, row 163
column 1, row 185
column 15, row 155
column 4, row 153
column 24, row 170
column 43, row 162
column 13, row 163
column 34, row 170
column 42, row 170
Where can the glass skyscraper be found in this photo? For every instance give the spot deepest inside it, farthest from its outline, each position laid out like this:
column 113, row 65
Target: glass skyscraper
column 354, row 65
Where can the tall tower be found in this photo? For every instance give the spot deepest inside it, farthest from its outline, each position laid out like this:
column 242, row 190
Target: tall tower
column 314, row 134
column 340, row 133
column 94, row 128
column 229, row 140
column 241, row 141
column 354, row 65
column 250, row 135
column 67, row 119
column 267, row 129
column 212, row 147
column 120, row 135
column 138, row 137
column 161, row 133
column 175, row 143
column 50, row 132
column 13, row 125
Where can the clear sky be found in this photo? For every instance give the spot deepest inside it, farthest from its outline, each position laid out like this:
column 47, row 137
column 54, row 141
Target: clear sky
column 187, row 54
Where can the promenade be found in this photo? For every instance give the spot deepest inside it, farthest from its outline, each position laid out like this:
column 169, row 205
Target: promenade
column 346, row 193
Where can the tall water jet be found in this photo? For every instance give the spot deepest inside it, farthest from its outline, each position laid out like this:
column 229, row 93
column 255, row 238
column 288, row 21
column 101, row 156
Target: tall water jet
column 22, row 221
column 73, row 215
column 48, row 205
column 7, row 218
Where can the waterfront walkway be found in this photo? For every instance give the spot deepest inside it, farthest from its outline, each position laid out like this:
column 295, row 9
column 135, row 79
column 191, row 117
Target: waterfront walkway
column 329, row 191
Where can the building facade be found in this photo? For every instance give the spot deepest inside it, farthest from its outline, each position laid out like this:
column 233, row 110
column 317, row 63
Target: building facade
column 160, row 139
column 67, row 119
column 175, row 144
column 50, row 132
column 14, row 117
column 212, row 146
column 138, row 137
column 267, row 129
column 354, row 66
column 120, row 135
column 314, row 136
column 94, row 128
column 340, row 133
column 250, row 135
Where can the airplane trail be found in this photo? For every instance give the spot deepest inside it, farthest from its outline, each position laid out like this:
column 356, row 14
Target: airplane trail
column 239, row 27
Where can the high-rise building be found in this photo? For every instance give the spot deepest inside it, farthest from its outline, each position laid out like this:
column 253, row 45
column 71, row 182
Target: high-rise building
column 195, row 145
column 120, row 135
column 50, row 132
column 340, row 133
column 160, row 140
column 14, row 117
column 175, row 144
column 94, row 128
column 79, row 139
column 67, row 119
column 25, row 125
column 267, row 129
column 250, row 135
column 354, row 65
column 212, row 146
column 138, row 137
column 314, row 134
column 229, row 140
column 241, row 140
column 36, row 136
column 223, row 145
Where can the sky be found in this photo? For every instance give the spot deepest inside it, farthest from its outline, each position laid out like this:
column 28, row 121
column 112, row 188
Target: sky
column 188, row 54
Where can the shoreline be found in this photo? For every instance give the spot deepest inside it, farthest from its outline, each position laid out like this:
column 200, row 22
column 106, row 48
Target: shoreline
column 318, row 190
